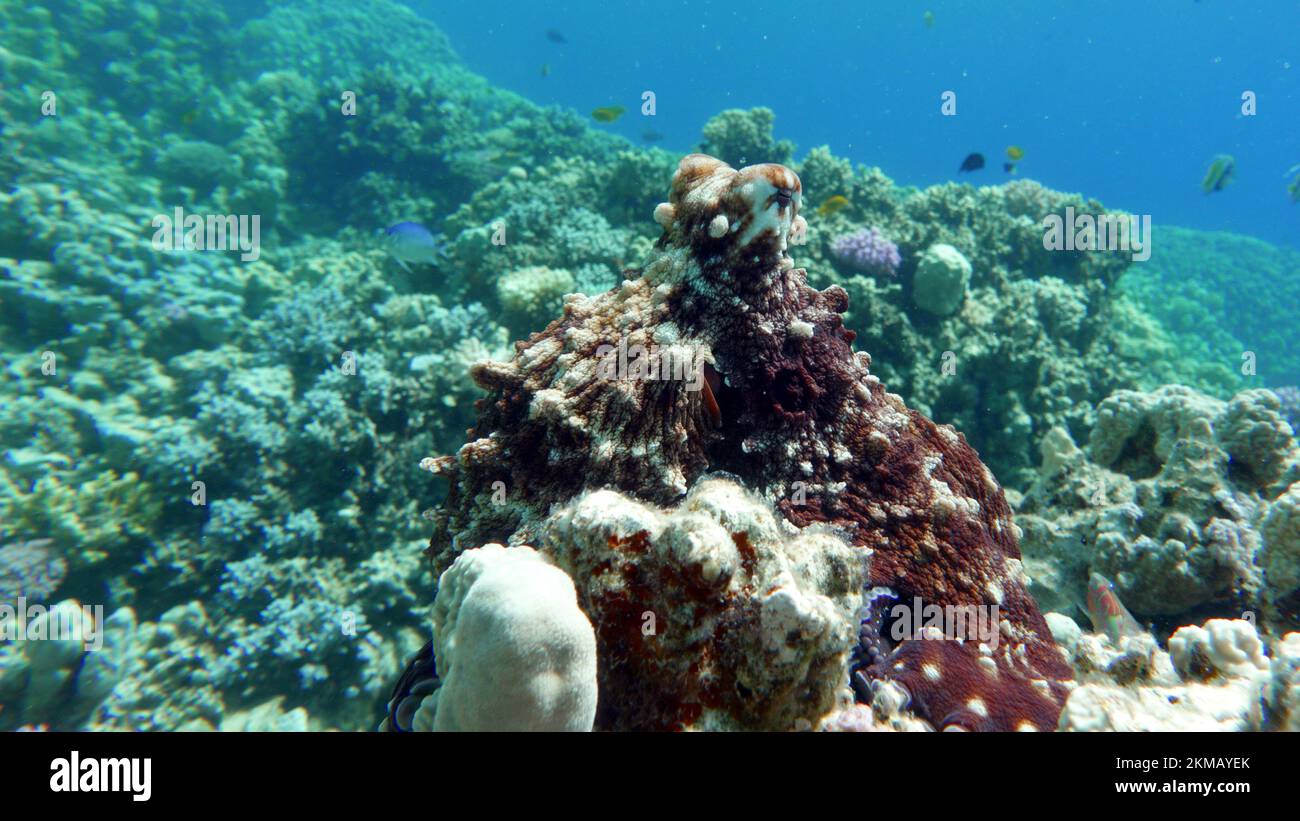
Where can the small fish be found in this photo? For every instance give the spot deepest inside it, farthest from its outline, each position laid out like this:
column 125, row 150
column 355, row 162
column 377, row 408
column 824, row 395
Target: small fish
column 1009, row 167
column 1015, row 153
column 1108, row 613
column 556, row 36
column 411, row 242
column 1220, row 173
column 832, row 205
column 608, row 113
column 649, row 136
column 973, row 162
column 546, row 69
column 928, row 17
column 1294, row 189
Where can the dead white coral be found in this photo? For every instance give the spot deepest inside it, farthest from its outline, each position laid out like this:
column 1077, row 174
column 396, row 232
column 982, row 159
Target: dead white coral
column 712, row 615
column 1224, row 646
column 887, row 713
column 1212, row 679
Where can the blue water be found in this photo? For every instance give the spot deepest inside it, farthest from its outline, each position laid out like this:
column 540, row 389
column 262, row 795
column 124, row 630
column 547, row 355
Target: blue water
column 1125, row 102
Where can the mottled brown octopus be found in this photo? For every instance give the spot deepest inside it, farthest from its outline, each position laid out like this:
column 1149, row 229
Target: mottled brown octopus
column 787, row 407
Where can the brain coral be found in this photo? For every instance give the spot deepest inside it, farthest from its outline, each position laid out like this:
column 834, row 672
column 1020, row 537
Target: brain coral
column 773, row 394
column 941, row 280
column 506, row 615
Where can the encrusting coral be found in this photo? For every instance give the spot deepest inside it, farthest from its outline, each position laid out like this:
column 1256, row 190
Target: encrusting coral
column 773, row 394
column 1188, row 503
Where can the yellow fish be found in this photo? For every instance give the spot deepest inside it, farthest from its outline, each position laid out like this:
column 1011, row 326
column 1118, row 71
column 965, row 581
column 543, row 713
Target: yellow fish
column 608, row 114
column 929, row 19
column 1220, row 174
column 832, row 205
column 1015, row 153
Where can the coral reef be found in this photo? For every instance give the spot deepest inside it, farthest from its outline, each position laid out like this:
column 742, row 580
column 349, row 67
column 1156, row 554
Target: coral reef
column 530, row 296
column 191, row 427
column 1225, row 293
column 225, row 454
column 1279, row 556
column 1181, row 499
column 1018, row 341
column 740, row 137
column 1289, row 397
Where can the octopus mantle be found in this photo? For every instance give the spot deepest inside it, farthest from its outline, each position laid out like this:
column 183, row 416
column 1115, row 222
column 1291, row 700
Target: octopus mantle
column 775, row 396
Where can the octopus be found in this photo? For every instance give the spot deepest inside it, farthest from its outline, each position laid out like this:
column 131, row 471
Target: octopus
column 783, row 404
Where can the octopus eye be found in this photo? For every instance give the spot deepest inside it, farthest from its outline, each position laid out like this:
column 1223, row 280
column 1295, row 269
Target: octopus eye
column 784, row 196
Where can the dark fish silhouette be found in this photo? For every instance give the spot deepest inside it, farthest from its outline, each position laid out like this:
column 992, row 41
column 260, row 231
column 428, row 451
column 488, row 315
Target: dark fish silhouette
column 651, row 136
column 973, row 162
column 556, row 36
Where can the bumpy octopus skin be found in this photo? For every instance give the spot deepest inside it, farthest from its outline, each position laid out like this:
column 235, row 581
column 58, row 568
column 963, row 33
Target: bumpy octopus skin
column 790, row 409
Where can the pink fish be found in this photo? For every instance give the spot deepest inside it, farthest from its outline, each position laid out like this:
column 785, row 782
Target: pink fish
column 1108, row 613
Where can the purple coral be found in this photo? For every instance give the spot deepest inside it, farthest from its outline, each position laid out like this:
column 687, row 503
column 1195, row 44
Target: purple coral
column 867, row 251
column 29, row 570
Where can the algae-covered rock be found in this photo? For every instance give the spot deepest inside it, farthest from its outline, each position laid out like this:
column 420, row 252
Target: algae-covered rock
column 747, row 605
column 1178, row 499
